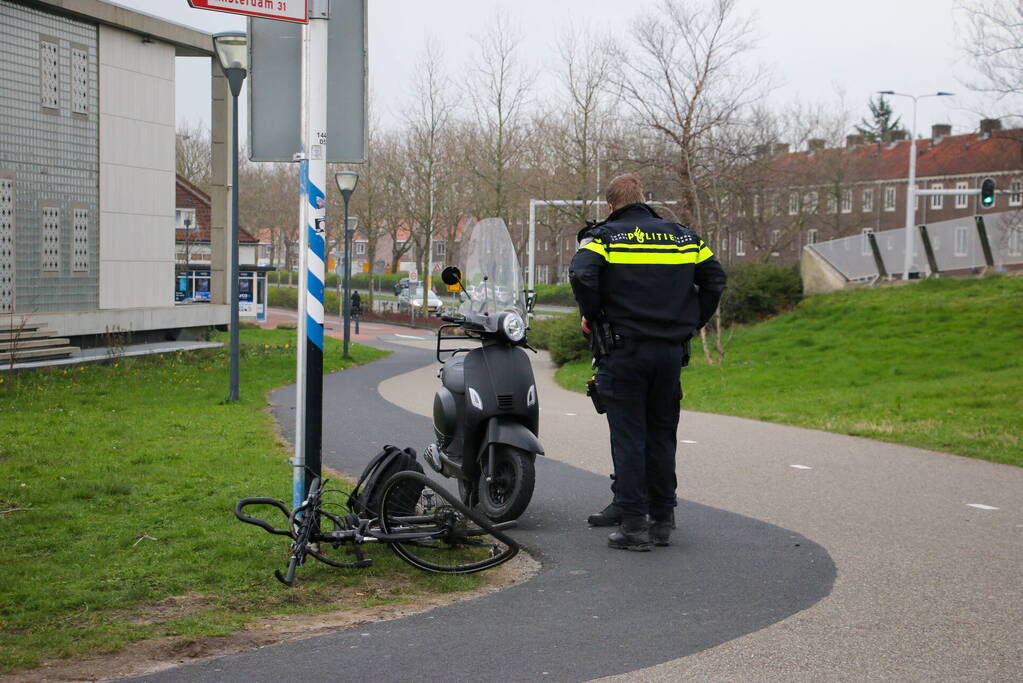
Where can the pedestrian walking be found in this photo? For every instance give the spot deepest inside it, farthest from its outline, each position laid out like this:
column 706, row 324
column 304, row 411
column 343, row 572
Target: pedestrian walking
column 644, row 286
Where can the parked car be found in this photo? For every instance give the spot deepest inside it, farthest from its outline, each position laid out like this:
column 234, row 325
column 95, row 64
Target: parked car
column 412, row 297
column 400, row 285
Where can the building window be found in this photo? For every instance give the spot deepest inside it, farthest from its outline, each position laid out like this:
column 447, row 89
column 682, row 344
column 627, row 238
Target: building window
column 756, row 205
column 360, row 248
column 960, row 247
column 1015, row 245
column 793, row 203
column 80, row 240
column 847, row 201
column 937, row 200
column 832, row 203
column 865, row 245
column 740, row 246
column 440, row 248
column 6, row 245
column 184, row 219
column 50, row 262
column 962, row 200
column 79, row 81
column 723, row 244
column 811, row 236
column 1016, row 198
column 889, row 198
column 868, row 200
column 724, row 206
column 810, row 202
column 775, row 239
column 49, row 74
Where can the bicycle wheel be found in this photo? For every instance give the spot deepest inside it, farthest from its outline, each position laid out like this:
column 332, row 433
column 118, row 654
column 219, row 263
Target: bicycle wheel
column 431, row 529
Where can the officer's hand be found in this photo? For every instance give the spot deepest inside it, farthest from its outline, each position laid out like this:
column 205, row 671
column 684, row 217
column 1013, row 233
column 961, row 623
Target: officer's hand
column 585, row 325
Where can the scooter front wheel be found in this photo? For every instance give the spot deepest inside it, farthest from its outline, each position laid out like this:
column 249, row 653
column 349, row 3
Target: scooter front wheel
column 504, row 494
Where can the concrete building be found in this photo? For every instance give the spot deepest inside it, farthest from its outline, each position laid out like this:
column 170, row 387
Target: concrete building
column 87, row 170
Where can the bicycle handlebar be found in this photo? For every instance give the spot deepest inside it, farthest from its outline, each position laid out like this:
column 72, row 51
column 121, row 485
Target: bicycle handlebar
column 263, row 524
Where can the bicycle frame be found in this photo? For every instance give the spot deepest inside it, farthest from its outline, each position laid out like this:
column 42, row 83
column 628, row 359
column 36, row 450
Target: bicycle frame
column 419, row 539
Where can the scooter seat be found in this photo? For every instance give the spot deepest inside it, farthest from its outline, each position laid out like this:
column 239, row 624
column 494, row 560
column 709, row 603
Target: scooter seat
column 453, row 374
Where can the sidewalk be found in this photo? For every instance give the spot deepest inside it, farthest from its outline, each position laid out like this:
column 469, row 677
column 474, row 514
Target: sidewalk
column 369, row 331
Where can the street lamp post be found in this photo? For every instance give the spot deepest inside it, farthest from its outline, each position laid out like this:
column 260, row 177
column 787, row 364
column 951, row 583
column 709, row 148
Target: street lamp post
column 232, row 52
column 346, row 182
column 911, row 186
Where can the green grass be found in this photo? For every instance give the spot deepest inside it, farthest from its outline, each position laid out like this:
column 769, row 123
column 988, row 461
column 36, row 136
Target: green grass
column 128, row 473
column 935, row 364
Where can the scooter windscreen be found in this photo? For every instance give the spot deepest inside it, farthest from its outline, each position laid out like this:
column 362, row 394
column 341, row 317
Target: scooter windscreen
column 492, row 278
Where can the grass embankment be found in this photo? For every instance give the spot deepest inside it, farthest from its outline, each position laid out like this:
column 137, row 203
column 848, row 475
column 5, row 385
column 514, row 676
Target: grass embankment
column 117, row 492
column 935, row 364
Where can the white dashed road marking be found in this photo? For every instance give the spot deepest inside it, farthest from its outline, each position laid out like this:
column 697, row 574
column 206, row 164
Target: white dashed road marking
column 801, row 467
column 408, row 336
column 687, row 441
column 980, row 506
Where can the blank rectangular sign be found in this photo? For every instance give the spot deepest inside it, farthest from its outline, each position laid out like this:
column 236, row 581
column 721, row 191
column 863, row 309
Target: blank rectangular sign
column 275, row 86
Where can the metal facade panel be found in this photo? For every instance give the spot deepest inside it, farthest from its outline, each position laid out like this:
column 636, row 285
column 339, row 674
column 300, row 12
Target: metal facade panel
column 50, row 155
column 275, row 74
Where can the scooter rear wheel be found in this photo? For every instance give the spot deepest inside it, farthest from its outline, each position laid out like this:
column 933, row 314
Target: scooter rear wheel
column 507, row 494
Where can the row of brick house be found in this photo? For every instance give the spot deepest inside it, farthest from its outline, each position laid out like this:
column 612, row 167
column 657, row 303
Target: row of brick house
column 799, row 198
column 789, row 199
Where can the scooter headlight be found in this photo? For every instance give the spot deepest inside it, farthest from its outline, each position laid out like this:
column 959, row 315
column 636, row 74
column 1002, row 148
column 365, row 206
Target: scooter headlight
column 513, row 326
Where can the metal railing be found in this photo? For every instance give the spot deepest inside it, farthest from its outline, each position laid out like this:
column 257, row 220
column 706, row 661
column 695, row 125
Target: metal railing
column 956, row 246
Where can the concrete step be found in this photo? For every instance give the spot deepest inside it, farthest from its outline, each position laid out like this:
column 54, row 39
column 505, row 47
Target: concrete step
column 38, row 354
column 15, row 326
column 7, row 335
column 26, row 344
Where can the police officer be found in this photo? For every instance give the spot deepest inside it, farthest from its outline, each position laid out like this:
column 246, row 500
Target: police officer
column 644, row 285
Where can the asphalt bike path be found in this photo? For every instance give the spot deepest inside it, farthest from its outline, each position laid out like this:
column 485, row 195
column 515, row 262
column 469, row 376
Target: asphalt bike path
column 590, row 612
column 928, row 549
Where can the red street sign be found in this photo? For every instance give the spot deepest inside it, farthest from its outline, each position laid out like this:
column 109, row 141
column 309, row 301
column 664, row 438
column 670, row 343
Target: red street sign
column 285, row 10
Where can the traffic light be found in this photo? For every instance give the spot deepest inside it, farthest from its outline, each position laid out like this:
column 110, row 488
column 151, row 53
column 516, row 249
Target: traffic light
column 987, row 193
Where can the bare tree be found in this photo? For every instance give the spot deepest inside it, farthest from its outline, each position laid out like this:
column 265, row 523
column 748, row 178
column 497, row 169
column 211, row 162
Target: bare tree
column 498, row 87
column 992, row 37
column 686, row 75
column 194, row 155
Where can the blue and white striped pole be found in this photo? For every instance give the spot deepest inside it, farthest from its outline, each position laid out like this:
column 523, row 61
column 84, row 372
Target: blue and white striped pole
column 309, row 398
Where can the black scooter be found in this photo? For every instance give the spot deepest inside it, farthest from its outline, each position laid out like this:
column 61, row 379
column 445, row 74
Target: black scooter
column 486, row 413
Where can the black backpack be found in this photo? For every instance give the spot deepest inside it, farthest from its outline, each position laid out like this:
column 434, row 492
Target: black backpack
column 365, row 497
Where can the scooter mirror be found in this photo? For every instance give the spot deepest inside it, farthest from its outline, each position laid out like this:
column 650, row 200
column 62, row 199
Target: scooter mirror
column 451, row 275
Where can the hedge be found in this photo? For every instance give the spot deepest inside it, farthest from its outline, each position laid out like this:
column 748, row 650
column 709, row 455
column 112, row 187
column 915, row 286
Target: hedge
column 559, row 295
column 381, row 281
column 758, row 290
column 561, row 336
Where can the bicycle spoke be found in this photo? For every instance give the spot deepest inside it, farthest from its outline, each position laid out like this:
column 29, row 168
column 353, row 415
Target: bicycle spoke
column 431, row 529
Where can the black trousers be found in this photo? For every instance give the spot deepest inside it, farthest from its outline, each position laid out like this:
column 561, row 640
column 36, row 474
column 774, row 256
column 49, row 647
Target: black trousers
column 641, row 390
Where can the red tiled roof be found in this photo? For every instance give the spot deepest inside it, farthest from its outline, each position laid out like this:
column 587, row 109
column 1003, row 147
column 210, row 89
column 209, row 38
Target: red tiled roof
column 202, row 235
column 999, row 152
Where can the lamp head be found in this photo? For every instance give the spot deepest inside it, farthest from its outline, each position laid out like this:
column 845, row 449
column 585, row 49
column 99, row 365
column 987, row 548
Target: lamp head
column 346, row 182
column 232, row 48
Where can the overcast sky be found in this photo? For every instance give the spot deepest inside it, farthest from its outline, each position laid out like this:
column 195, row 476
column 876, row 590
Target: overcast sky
column 815, row 48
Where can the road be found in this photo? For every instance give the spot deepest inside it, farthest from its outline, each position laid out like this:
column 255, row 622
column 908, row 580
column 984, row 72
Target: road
column 801, row 555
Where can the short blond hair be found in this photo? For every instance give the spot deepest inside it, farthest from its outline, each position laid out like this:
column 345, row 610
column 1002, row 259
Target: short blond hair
column 624, row 190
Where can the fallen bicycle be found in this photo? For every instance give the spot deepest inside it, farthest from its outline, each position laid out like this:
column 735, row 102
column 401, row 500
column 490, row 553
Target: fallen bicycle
column 422, row 523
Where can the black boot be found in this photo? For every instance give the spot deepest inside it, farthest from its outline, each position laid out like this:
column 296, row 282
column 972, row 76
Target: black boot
column 609, row 516
column 660, row 531
column 633, row 534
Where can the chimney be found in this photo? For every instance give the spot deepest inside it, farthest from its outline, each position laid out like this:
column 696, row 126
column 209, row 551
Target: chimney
column 761, row 149
column 896, row 135
column 940, row 130
column 814, row 144
column 781, row 148
column 853, row 140
column 987, row 126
